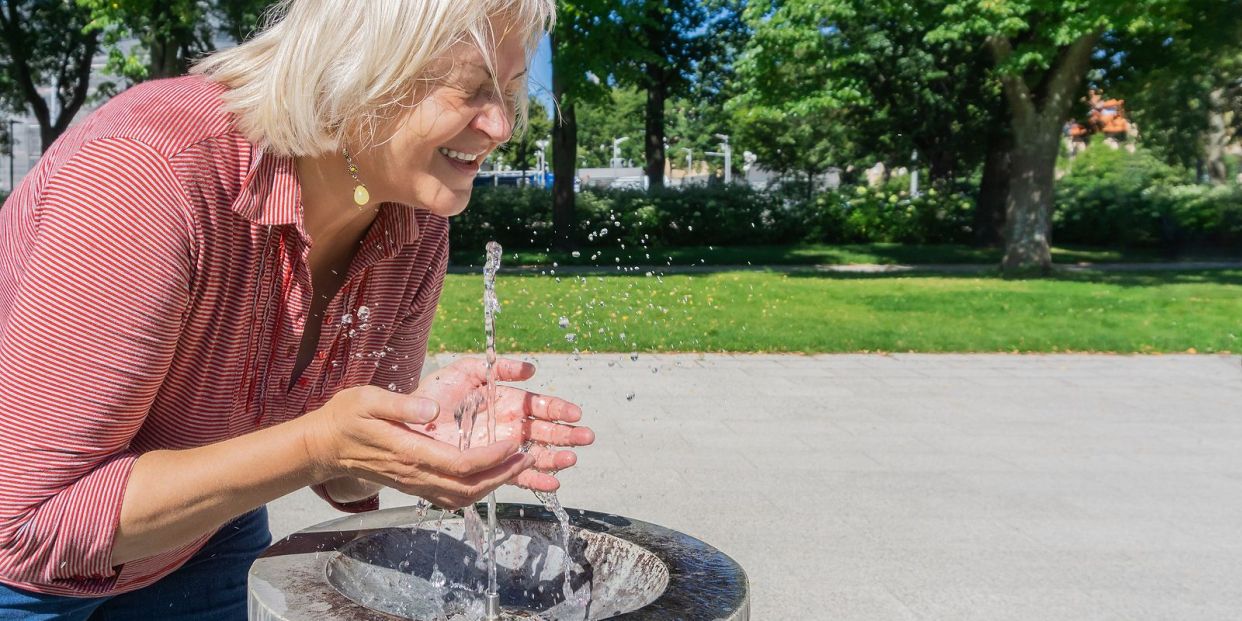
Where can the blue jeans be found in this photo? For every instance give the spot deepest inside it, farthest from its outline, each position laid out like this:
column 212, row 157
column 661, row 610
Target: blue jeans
column 211, row 586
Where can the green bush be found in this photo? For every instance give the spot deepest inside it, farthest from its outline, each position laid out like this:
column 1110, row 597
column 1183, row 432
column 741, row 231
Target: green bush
column 1203, row 215
column 887, row 214
column 1114, row 197
column 1109, row 198
column 697, row 215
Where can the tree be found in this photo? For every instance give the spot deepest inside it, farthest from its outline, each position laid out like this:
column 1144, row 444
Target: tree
column 670, row 39
column 1042, row 51
column 585, row 44
column 1185, row 94
column 783, row 113
column 869, row 68
column 171, row 33
column 520, row 152
column 618, row 114
column 44, row 45
column 240, row 19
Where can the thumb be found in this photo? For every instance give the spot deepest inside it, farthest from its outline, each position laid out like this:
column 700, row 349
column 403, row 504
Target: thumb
column 407, row 409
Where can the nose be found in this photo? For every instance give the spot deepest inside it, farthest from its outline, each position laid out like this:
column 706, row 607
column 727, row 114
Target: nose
column 496, row 120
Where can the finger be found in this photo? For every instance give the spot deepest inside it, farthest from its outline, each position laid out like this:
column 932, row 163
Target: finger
column 537, row 481
column 549, row 460
column 398, row 407
column 454, row 492
column 558, row 435
column 510, row 370
column 446, row 459
column 507, row 369
column 550, row 408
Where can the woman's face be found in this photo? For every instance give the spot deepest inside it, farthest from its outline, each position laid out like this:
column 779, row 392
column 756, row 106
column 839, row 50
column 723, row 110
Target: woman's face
column 436, row 147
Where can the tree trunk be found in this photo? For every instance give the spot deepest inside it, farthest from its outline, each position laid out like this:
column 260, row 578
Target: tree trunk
column 1216, row 139
column 74, row 71
column 564, row 166
column 167, row 58
column 655, row 32
column 941, row 165
column 1036, row 118
column 993, row 190
column 1028, row 208
column 654, row 147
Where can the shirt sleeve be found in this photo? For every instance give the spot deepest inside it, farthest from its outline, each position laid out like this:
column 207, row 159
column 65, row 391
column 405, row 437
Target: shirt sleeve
column 92, row 303
column 409, row 346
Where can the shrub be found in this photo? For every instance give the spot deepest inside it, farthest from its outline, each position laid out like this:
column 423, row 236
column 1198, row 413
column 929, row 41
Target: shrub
column 1203, row 215
column 696, row 215
column 1109, row 198
column 886, row 214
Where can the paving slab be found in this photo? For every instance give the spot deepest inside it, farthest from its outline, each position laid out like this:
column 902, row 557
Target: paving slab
column 920, row 486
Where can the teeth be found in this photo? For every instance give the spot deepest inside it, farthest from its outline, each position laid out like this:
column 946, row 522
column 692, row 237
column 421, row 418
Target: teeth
column 458, row 155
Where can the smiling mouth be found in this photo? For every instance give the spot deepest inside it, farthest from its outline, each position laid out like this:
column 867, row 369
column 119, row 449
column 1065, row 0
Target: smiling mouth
column 466, row 161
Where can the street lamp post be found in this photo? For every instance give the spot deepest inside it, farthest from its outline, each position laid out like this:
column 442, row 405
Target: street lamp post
column 914, row 174
column 542, row 162
column 616, row 151
column 727, row 152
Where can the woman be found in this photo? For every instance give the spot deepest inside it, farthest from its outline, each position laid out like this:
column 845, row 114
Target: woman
column 217, row 289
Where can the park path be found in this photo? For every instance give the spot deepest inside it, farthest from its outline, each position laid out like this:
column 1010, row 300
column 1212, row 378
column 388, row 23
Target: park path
column 876, row 487
column 857, row 268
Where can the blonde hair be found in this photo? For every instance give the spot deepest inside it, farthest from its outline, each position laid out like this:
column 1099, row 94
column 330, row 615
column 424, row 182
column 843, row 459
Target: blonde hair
column 324, row 71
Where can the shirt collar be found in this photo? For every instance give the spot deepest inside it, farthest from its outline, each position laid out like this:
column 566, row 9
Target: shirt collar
column 270, row 192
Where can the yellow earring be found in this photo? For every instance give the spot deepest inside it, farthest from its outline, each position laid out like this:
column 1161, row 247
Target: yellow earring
column 361, row 195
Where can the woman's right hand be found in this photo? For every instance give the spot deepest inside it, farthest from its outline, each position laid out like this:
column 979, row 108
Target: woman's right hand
column 364, row 432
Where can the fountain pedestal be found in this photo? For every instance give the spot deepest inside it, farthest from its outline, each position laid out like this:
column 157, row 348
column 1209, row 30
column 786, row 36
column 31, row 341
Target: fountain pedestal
column 376, row 566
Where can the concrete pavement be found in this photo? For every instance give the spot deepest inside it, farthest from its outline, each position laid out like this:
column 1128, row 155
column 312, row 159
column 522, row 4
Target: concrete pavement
column 921, row 486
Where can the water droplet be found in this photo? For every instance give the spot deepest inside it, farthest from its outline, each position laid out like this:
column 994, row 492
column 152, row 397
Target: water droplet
column 364, row 314
column 634, row 357
column 392, row 387
column 575, row 254
column 563, row 322
column 571, row 337
column 347, row 319
column 629, row 396
column 655, row 369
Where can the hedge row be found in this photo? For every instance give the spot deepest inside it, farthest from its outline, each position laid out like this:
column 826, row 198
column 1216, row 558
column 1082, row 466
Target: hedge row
column 1109, row 198
column 715, row 215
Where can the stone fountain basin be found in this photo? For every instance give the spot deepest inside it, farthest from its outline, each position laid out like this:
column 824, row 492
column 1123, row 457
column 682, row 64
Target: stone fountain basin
column 378, row 566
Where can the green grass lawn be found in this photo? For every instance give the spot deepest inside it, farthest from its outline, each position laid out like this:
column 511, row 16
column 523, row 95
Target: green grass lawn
column 771, row 312
column 808, row 254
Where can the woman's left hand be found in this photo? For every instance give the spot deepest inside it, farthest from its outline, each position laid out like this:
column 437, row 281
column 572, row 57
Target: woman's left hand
column 540, row 420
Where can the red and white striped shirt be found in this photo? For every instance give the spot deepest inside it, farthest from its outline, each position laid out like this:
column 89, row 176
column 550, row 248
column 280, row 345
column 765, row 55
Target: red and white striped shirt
column 154, row 286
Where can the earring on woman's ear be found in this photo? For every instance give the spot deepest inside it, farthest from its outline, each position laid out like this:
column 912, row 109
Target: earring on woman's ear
column 361, row 195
